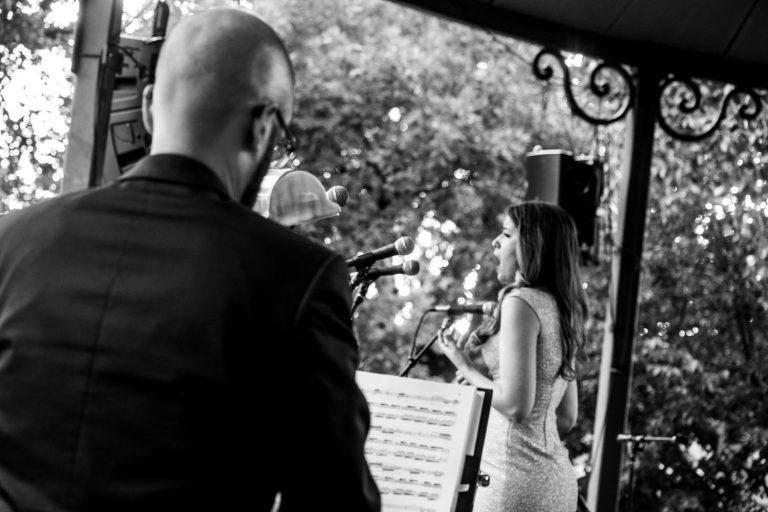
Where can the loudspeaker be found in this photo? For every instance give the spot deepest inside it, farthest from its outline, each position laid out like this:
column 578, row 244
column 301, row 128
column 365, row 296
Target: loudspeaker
column 575, row 184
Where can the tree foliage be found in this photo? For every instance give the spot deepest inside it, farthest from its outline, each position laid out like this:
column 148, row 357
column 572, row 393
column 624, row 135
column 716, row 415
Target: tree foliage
column 700, row 368
column 427, row 123
column 29, row 137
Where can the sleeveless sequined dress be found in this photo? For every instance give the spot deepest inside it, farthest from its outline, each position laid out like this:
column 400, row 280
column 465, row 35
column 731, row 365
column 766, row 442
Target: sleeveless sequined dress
column 528, row 465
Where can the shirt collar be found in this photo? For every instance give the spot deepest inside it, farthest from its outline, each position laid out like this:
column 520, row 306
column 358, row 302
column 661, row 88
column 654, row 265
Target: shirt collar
column 173, row 168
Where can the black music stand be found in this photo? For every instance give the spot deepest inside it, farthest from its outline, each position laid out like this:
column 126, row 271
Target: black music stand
column 471, row 475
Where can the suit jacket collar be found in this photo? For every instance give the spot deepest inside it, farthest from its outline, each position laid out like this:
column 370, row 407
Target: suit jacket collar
column 172, row 168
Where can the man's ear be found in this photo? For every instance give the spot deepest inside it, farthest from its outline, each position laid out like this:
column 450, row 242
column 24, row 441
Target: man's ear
column 256, row 152
column 146, row 107
column 261, row 130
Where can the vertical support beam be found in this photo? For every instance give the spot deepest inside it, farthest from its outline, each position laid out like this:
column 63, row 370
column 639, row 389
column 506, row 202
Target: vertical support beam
column 98, row 23
column 621, row 318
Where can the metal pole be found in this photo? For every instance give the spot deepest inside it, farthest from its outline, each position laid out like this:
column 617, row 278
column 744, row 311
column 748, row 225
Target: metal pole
column 621, row 317
column 98, row 24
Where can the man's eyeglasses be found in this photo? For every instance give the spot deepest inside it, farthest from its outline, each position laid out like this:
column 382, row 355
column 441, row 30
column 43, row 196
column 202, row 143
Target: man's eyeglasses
column 285, row 149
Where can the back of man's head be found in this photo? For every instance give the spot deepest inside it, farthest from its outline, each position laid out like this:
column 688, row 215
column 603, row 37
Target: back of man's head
column 214, row 66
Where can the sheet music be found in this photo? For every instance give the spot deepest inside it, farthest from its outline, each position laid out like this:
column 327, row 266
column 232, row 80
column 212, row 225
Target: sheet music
column 418, row 439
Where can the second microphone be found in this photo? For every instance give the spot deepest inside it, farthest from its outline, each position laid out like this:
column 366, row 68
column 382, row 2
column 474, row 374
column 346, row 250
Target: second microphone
column 402, row 246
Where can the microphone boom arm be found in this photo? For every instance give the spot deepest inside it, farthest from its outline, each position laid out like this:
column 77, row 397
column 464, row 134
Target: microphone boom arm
column 412, row 360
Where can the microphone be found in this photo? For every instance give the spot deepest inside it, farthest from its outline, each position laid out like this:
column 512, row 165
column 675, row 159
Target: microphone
column 160, row 20
column 623, row 438
column 402, row 246
column 483, row 308
column 338, row 195
column 409, row 268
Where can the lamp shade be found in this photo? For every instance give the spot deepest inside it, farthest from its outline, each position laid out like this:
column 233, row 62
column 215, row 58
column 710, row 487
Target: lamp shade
column 293, row 196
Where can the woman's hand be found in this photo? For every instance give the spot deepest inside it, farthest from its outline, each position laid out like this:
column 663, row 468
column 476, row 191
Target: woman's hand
column 448, row 338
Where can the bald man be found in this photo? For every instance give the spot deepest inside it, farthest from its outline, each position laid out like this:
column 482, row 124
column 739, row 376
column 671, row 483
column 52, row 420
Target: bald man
column 162, row 346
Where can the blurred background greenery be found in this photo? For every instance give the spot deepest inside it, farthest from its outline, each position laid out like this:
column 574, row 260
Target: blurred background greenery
column 427, row 123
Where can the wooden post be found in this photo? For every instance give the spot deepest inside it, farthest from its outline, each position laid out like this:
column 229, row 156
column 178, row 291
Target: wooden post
column 621, row 318
column 98, row 23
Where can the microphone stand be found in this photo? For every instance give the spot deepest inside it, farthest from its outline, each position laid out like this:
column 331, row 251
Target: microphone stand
column 360, row 297
column 360, row 280
column 413, row 360
column 636, row 445
column 360, row 276
column 582, row 504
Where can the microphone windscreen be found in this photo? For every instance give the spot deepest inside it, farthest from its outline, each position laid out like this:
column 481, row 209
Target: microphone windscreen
column 338, row 195
column 404, row 245
column 411, row 268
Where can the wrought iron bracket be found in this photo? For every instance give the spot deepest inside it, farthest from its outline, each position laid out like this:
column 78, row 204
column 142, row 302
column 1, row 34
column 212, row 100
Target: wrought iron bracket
column 691, row 102
column 598, row 85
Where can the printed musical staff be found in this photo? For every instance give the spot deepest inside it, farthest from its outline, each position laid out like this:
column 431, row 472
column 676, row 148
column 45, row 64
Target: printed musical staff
column 418, row 440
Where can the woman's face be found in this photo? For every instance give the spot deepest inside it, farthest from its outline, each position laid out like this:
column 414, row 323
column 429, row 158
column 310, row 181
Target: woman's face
column 506, row 249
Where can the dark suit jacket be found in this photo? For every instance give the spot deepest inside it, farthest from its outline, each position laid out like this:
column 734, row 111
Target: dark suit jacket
column 165, row 348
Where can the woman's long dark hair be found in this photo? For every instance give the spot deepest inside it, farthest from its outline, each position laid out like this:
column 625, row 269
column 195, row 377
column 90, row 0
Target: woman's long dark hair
column 550, row 261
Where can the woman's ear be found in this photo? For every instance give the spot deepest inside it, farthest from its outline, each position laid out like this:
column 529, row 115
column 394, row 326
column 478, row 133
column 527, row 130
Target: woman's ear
column 146, row 107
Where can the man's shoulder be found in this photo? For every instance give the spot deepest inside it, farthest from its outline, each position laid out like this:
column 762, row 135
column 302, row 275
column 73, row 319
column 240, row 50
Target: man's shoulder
column 290, row 257
column 277, row 236
column 42, row 208
column 284, row 235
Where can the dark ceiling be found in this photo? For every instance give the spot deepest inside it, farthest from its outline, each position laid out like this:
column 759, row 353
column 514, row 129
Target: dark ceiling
column 724, row 40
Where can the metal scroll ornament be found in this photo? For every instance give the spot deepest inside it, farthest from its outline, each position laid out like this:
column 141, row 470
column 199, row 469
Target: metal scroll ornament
column 691, row 101
column 599, row 85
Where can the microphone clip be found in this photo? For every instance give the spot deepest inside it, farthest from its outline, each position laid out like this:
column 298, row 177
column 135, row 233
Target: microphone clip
column 361, row 276
column 371, row 273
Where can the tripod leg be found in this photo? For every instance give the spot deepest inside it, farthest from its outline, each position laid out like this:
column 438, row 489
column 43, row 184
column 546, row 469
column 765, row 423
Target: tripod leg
column 582, row 505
